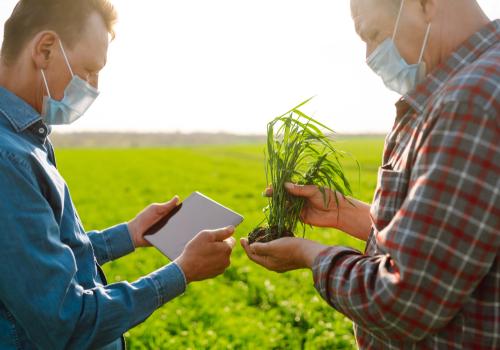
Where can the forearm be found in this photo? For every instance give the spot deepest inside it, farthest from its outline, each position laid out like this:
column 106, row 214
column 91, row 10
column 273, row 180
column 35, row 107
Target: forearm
column 308, row 251
column 69, row 316
column 112, row 243
column 353, row 218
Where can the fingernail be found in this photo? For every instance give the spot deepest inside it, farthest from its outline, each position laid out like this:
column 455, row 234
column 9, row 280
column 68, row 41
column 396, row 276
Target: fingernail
column 288, row 185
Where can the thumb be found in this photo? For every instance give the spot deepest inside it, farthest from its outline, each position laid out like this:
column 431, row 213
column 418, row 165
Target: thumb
column 164, row 208
column 301, row 190
column 156, row 212
column 222, row 234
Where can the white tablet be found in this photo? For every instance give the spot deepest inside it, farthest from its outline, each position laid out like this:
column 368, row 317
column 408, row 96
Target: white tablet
column 196, row 213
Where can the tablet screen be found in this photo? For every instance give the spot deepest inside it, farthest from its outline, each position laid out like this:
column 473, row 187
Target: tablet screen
column 196, row 213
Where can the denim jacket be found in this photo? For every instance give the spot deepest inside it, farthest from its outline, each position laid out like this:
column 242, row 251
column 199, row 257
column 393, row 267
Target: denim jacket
column 53, row 294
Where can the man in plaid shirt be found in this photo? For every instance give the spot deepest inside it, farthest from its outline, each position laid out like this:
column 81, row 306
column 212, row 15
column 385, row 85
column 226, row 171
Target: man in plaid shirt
column 430, row 275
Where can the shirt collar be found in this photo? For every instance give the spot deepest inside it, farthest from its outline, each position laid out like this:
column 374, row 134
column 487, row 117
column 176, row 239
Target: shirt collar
column 467, row 53
column 19, row 113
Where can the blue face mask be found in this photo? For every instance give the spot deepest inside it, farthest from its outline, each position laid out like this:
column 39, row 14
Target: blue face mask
column 386, row 61
column 78, row 97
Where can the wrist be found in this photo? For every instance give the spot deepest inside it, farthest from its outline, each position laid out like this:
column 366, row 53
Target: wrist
column 131, row 231
column 181, row 263
column 354, row 218
column 310, row 250
column 182, row 272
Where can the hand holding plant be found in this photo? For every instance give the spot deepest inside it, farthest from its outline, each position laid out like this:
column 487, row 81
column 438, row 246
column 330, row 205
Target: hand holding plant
column 284, row 254
column 299, row 151
column 314, row 212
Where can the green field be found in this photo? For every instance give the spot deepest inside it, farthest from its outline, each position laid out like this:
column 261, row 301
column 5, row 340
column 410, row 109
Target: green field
column 247, row 307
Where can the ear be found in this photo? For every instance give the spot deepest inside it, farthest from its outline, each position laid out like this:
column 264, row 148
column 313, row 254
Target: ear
column 429, row 9
column 44, row 46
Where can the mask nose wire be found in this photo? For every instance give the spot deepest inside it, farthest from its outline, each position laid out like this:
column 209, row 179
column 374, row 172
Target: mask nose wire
column 396, row 26
column 66, row 58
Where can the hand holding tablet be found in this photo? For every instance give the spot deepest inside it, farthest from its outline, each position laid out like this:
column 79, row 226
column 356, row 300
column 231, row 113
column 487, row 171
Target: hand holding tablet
column 195, row 214
column 197, row 235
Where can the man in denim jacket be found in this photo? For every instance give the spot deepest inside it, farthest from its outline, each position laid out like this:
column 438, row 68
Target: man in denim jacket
column 53, row 294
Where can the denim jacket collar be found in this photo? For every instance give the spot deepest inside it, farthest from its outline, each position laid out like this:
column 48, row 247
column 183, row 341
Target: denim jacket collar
column 21, row 115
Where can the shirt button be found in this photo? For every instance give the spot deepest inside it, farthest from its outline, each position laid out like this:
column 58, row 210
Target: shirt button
column 41, row 131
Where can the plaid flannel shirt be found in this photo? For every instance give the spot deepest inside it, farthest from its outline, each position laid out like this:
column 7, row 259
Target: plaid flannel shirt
column 430, row 275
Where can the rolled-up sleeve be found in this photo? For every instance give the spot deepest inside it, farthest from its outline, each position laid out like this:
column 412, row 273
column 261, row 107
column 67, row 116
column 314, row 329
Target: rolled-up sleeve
column 38, row 274
column 440, row 244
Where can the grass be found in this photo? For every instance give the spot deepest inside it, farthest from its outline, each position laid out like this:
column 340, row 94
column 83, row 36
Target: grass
column 298, row 151
column 247, row 307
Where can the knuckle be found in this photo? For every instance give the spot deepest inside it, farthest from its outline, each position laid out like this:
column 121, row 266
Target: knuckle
column 204, row 234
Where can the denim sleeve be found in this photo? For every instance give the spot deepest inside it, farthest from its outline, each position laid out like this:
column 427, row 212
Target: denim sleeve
column 38, row 275
column 112, row 243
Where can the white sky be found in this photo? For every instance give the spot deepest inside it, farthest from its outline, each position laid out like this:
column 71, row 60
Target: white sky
column 232, row 65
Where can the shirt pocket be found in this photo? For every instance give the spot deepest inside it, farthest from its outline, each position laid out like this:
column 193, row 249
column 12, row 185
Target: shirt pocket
column 392, row 187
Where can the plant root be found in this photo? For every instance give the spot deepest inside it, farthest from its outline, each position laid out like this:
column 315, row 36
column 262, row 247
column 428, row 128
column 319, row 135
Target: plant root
column 267, row 234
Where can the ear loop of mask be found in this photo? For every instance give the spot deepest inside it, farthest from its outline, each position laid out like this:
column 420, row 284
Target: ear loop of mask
column 396, row 26
column 46, row 85
column 67, row 64
column 424, row 45
column 426, row 38
column 66, row 58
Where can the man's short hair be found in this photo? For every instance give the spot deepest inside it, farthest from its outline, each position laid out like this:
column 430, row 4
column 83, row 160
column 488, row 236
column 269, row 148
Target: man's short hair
column 65, row 17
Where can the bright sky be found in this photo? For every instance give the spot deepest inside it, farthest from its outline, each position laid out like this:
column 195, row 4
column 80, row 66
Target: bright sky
column 232, row 65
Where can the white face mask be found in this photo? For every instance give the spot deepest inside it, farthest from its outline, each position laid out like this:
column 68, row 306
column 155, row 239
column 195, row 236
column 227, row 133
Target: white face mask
column 78, row 97
column 386, row 61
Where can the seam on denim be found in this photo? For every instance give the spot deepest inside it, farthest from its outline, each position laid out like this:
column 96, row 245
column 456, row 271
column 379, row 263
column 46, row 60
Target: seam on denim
column 182, row 273
column 129, row 234
column 107, row 246
column 14, row 158
column 19, row 128
column 11, row 121
column 29, row 123
column 15, row 334
column 158, row 290
column 102, row 258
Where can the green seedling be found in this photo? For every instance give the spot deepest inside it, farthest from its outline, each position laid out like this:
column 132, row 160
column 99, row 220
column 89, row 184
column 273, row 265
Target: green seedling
column 299, row 150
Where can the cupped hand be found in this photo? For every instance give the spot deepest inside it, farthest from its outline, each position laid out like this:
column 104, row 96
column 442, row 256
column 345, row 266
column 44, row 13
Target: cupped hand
column 284, row 254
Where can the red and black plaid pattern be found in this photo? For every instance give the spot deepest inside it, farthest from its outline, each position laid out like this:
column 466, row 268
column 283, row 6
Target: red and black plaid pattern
column 430, row 275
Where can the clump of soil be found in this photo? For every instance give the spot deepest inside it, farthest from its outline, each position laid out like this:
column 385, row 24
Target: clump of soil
column 267, row 234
